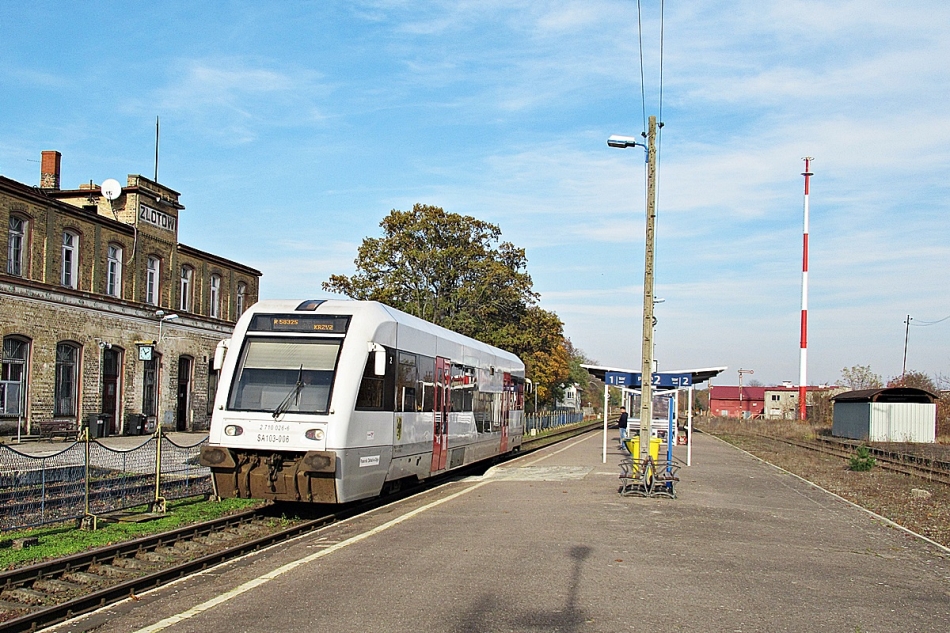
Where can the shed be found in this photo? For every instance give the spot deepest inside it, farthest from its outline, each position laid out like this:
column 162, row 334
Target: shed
column 892, row 414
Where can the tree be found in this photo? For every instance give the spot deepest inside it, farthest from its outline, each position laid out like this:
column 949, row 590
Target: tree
column 452, row 270
column 917, row 379
column 444, row 268
column 860, row 377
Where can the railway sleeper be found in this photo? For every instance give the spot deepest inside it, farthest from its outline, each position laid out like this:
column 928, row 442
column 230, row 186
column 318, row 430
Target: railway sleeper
column 83, row 578
column 24, row 595
column 130, row 563
column 111, row 571
column 154, row 556
column 54, row 585
column 6, row 605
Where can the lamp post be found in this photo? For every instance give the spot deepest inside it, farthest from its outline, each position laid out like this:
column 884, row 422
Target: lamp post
column 646, row 367
column 162, row 318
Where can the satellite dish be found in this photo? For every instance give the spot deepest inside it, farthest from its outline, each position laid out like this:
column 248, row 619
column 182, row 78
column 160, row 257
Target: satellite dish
column 111, row 188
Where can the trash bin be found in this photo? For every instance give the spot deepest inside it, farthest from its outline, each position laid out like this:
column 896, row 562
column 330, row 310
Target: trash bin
column 633, row 445
column 97, row 424
column 134, row 424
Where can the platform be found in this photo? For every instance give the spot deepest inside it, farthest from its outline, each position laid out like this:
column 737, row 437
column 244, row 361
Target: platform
column 545, row 543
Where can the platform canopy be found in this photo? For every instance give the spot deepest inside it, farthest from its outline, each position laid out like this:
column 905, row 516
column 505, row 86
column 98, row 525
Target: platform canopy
column 630, row 378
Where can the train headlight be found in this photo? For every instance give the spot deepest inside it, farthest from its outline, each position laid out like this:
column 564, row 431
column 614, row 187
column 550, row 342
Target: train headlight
column 314, row 434
column 233, row 430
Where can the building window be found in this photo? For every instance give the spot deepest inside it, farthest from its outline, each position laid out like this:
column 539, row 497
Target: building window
column 241, row 299
column 152, row 270
column 15, row 240
column 67, row 375
column 775, row 397
column 150, row 387
column 114, row 271
column 70, row 259
column 13, row 376
column 187, row 272
column 214, row 309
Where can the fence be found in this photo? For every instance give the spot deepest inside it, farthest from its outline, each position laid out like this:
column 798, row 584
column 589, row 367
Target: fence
column 88, row 478
column 543, row 420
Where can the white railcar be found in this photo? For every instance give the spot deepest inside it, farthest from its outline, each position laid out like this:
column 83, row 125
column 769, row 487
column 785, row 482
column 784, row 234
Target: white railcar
column 330, row 401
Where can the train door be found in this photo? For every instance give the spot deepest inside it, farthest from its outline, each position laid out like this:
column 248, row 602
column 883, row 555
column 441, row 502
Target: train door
column 505, row 412
column 440, row 415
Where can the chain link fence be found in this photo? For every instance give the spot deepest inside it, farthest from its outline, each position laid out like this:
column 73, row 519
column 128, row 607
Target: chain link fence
column 89, row 478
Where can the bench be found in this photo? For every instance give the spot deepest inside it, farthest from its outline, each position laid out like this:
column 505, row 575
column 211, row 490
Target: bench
column 66, row 429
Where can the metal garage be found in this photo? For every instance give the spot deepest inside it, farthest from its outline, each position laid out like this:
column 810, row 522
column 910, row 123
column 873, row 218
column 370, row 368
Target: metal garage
column 893, row 414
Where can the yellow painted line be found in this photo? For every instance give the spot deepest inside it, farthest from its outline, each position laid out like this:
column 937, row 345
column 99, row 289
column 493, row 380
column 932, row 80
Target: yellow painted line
column 261, row 580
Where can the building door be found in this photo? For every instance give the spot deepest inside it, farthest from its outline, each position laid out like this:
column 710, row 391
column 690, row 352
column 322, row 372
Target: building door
column 184, row 393
column 111, row 371
column 440, row 415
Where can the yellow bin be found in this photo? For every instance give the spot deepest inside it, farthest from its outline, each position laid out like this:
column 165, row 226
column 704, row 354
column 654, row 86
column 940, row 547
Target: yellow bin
column 633, row 445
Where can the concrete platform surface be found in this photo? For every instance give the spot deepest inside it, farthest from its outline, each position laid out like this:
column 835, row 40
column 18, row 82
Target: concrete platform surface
column 545, row 543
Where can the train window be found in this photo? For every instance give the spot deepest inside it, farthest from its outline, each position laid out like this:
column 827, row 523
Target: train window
column 484, row 406
column 426, row 383
column 406, row 383
column 376, row 392
column 285, row 375
column 463, row 387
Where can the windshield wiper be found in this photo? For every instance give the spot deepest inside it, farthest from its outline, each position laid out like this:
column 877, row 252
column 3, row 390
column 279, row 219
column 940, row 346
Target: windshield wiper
column 293, row 395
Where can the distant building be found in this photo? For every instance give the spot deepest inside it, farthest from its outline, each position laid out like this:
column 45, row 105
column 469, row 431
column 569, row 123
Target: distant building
column 571, row 398
column 731, row 402
column 775, row 403
column 103, row 311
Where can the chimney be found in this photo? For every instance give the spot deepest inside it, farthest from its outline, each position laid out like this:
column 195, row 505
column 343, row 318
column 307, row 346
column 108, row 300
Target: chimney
column 49, row 170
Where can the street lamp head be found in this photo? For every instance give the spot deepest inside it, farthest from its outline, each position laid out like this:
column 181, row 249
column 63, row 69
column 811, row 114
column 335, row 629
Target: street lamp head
column 622, row 142
column 169, row 317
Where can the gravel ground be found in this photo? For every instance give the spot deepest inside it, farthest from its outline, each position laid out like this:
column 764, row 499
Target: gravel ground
column 913, row 502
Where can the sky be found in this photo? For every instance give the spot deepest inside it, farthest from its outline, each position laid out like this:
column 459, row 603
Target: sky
column 291, row 129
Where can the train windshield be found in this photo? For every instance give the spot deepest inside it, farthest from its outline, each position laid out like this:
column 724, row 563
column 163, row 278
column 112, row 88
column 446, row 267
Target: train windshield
column 285, row 375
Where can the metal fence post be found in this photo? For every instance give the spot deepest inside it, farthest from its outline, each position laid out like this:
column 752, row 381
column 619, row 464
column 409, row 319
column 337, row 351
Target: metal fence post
column 158, row 505
column 89, row 520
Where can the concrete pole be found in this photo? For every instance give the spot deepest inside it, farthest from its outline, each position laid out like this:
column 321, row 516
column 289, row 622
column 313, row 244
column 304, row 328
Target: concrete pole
column 646, row 368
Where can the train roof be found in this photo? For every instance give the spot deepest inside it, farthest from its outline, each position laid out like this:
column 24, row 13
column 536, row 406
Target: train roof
column 382, row 312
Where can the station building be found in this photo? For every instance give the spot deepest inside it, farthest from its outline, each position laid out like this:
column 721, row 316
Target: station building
column 104, row 313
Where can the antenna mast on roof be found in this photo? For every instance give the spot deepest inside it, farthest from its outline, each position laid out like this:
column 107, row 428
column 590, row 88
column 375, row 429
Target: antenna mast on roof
column 156, row 149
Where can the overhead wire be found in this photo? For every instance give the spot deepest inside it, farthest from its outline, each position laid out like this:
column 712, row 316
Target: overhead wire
column 918, row 323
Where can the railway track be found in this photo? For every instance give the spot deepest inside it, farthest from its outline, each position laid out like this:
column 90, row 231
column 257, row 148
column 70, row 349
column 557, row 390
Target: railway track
column 51, row 592
column 915, row 465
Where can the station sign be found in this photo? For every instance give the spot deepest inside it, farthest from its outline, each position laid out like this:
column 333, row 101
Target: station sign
column 660, row 379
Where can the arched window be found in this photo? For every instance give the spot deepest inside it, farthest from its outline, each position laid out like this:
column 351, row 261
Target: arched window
column 114, row 271
column 13, row 376
column 16, row 239
column 153, row 270
column 214, row 310
column 70, row 272
column 241, row 299
column 67, row 379
column 187, row 273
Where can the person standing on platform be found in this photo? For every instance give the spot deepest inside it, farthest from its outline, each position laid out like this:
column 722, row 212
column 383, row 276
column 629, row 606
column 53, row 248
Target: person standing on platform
column 622, row 423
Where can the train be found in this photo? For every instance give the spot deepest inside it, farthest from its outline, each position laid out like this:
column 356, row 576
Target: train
column 332, row 401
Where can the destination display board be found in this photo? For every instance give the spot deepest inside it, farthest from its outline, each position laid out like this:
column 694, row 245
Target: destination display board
column 299, row 323
column 631, row 379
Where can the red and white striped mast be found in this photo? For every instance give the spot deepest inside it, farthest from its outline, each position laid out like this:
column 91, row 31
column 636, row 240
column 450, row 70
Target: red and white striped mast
column 802, row 372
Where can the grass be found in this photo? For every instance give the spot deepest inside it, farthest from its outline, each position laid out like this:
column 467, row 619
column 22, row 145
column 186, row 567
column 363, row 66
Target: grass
column 56, row 541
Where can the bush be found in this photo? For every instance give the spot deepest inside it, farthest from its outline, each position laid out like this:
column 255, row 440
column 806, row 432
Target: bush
column 862, row 461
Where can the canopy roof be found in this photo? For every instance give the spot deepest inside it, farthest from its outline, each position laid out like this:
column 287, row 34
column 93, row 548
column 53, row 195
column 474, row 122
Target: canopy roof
column 699, row 375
